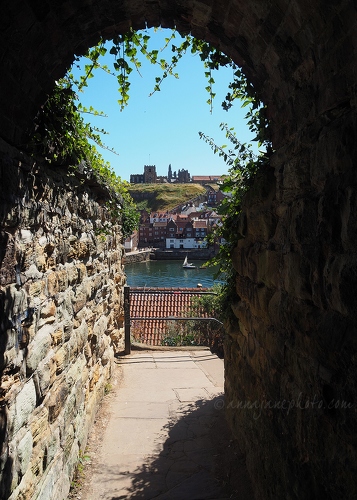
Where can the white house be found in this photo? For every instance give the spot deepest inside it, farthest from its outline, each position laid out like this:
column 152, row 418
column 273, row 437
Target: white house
column 131, row 243
column 185, row 243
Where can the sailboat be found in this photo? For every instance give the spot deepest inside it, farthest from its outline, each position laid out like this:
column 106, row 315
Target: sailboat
column 187, row 265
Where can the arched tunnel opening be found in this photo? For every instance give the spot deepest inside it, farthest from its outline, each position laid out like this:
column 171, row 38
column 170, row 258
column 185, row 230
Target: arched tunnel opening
column 292, row 347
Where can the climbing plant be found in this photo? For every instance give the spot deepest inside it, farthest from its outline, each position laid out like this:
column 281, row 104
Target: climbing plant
column 131, row 49
column 63, row 135
column 243, row 166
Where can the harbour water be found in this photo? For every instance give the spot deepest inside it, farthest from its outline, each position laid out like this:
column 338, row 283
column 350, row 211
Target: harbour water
column 169, row 273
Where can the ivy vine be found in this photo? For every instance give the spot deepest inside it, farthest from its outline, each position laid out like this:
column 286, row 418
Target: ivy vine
column 62, row 136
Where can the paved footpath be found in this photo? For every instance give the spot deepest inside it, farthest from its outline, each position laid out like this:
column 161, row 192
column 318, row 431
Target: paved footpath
column 157, row 441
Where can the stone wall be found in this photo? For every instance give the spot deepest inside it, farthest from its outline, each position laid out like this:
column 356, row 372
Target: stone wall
column 290, row 359
column 296, row 263
column 61, row 297
column 180, row 254
column 137, row 256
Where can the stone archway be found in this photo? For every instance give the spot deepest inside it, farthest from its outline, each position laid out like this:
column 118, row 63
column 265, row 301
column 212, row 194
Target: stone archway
column 295, row 338
column 300, row 56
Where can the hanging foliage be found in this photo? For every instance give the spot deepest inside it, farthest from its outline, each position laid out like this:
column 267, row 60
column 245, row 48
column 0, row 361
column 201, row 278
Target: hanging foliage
column 62, row 135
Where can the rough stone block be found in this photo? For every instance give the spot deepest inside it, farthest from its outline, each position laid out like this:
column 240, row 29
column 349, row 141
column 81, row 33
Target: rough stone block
column 39, row 348
column 296, row 276
column 40, row 262
column 79, row 298
column 32, row 273
column 75, row 369
column 55, row 484
column 100, row 327
column 39, row 424
column 36, row 289
column 46, row 373
column 24, row 452
column 62, row 358
column 57, row 336
column 107, row 356
column 55, row 400
column 117, row 338
column 72, row 273
column 67, row 440
column 26, row 488
column 53, row 443
column 22, row 407
column 81, row 335
column 25, row 236
column 52, row 284
column 48, row 310
column 72, row 459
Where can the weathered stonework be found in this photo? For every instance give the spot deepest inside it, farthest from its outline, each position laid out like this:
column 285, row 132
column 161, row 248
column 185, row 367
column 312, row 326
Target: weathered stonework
column 61, row 293
column 295, row 331
column 291, row 357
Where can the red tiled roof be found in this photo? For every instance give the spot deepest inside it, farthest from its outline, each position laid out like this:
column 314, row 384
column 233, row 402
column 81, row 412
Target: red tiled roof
column 159, row 215
column 155, row 303
column 200, row 223
column 206, row 177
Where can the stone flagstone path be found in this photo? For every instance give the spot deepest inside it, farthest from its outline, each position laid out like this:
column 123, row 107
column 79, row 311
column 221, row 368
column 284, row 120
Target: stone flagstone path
column 157, row 437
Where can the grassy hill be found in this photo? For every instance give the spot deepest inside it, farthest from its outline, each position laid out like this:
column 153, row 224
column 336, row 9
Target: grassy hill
column 163, row 197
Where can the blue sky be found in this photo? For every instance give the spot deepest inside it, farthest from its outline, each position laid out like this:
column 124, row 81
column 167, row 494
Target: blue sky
column 163, row 129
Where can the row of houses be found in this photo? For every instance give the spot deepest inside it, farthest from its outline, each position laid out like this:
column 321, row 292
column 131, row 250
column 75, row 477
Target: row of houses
column 187, row 230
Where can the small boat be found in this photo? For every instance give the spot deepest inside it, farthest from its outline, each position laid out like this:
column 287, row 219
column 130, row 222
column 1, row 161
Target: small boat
column 187, row 265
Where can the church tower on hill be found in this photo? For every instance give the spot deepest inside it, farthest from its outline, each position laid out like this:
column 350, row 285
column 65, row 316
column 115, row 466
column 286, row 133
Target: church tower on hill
column 150, row 176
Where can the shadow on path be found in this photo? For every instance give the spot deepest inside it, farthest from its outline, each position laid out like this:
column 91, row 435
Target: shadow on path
column 198, row 461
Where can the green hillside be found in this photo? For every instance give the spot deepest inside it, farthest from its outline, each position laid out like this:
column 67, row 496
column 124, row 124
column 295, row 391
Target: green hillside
column 163, row 197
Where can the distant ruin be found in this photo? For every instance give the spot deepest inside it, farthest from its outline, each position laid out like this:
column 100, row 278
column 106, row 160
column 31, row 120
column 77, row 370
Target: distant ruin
column 182, row 176
column 291, row 347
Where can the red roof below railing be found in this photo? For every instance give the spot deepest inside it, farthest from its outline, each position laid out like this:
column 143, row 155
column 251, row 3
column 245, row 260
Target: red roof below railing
column 158, row 303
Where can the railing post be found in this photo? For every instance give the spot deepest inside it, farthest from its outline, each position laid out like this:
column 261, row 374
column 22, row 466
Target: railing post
column 127, row 349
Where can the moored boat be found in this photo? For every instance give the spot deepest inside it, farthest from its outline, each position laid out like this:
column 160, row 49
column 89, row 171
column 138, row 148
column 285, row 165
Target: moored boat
column 187, row 265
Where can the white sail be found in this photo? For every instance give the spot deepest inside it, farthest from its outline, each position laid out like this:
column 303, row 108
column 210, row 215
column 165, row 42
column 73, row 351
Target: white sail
column 187, row 265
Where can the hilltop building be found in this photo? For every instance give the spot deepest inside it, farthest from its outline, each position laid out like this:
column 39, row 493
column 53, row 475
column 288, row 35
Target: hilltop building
column 182, row 176
column 206, row 179
column 148, row 177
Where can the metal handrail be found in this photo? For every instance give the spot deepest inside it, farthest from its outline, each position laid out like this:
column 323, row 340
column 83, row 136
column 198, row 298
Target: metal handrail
column 174, row 318
column 128, row 318
column 172, row 291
